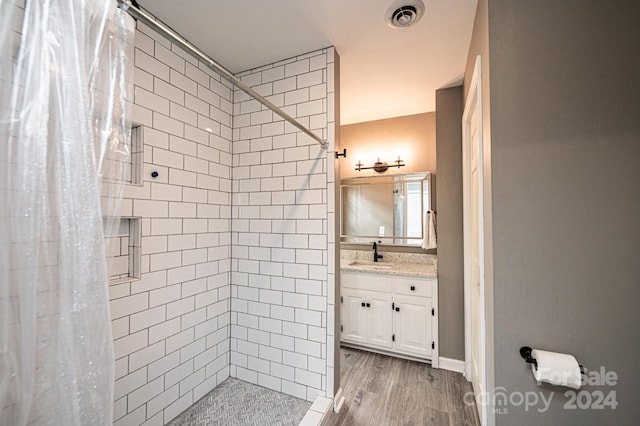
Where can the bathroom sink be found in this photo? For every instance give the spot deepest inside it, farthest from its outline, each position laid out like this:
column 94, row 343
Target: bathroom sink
column 370, row 265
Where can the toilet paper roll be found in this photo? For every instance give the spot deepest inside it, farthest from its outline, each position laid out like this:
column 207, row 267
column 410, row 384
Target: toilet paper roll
column 556, row 368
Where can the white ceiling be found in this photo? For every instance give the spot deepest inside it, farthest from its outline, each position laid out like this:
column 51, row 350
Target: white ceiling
column 384, row 72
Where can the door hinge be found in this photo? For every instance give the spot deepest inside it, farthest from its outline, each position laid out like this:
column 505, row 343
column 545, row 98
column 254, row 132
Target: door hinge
column 341, row 299
column 433, row 312
column 433, row 345
column 341, row 328
column 393, row 338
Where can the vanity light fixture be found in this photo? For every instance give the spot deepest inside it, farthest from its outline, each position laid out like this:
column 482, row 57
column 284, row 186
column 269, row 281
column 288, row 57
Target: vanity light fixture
column 380, row 166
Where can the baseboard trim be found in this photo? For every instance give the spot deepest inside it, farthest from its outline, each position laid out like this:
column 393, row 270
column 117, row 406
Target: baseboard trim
column 388, row 353
column 451, row 364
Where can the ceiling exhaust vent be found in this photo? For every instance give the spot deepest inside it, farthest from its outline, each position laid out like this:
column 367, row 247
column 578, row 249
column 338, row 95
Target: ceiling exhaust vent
column 404, row 14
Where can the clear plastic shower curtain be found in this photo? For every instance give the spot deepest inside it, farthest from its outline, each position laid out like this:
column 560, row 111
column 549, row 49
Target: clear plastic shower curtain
column 64, row 104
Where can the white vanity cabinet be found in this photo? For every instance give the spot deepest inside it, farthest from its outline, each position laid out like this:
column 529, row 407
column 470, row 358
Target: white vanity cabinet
column 367, row 318
column 413, row 325
column 390, row 313
column 353, row 316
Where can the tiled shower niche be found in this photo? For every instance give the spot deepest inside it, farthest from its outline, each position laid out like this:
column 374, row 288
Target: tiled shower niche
column 133, row 173
column 127, row 158
column 123, row 245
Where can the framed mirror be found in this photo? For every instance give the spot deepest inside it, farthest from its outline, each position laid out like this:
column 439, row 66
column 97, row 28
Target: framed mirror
column 389, row 208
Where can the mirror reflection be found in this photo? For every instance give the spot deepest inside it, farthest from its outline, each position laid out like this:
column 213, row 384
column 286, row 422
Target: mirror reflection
column 389, row 208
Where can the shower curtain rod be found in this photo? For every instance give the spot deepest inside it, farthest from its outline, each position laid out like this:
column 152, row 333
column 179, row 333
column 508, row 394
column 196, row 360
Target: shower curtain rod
column 181, row 42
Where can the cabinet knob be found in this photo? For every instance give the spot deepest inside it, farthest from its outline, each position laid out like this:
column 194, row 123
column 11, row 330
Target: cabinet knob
column 397, row 309
column 368, row 305
column 413, row 288
column 363, row 304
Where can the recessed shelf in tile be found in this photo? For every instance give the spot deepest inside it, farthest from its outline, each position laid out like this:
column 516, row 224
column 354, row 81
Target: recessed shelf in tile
column 124, row 252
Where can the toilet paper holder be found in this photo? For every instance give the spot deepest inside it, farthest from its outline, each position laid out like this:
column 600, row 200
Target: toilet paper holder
column 525, row 352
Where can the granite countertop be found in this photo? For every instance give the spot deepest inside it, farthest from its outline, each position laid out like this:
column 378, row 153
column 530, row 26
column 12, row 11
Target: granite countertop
column 423, row 270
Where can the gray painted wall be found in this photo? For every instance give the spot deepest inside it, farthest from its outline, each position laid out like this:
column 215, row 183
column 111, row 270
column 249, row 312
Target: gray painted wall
column 479, row 46
column 449, row 109
column 565, row 152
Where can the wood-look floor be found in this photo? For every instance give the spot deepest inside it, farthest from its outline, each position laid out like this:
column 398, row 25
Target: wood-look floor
column 382, row 390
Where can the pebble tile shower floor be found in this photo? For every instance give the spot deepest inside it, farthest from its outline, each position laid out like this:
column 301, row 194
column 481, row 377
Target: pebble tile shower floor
column 235, row 402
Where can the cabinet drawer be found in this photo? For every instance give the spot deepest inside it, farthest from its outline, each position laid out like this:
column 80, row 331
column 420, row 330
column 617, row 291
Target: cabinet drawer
column 414, row 287
column 363, row 281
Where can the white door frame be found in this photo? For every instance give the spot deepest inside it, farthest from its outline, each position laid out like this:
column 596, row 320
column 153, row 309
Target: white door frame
column 474, row 101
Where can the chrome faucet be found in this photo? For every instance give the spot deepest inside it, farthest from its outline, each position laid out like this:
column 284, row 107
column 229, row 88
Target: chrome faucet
column 376, row 256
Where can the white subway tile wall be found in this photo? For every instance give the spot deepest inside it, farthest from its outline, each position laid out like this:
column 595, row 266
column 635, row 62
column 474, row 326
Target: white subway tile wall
column 172, row 327
column 282, row 210
column 236, row 237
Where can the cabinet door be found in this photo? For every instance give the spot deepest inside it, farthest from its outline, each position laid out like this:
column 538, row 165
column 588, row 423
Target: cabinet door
column 379, row 319
column 353, row 316
column 412, row 325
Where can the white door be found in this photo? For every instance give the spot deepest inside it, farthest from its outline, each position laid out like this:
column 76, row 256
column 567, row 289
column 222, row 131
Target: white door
column 353, row 316
column 412, row 320
column 476, row 311
column 379, row 320
column 475, row 350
